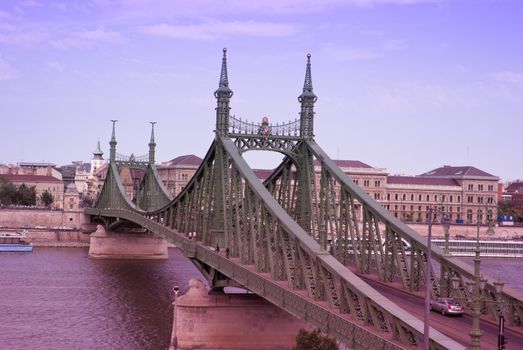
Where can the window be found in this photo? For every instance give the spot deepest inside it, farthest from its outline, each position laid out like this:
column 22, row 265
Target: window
column 396, row 207
column 471, row 187
column 470, row 199
column 366, row 183
column 451, row 198
column 428, row 199
column 419, row 207
column 376, row 196
column 388, row 196
column 491, row 188
column 411, row 207
column 469, row 216
column 412, row 197
column 404, row 197
column 480, row 199
column 403, row 207
column 396, row 196
column 435, row 198
column 419, row 197
column 480, row 187
column 377, row 183
column 356, row 182
column 459, row 199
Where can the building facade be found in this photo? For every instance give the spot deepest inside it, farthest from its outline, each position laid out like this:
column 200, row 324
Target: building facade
column 41, row 183
column 177, row 172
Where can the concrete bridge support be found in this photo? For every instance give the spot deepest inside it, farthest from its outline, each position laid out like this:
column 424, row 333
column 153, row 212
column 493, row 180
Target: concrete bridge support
column 230, row 321
column 110, row 245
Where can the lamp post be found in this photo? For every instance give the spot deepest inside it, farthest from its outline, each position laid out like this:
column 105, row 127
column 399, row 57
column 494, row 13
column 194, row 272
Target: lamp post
column 176, row 289
column 445, row 222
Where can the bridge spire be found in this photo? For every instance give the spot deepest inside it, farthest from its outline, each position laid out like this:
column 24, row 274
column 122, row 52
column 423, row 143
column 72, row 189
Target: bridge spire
column 112, row 156
column 307, row 99
column 152, row 145
column 223, row 95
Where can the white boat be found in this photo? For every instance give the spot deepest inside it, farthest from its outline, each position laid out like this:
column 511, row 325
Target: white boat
column 492, row 248
column 14, row 242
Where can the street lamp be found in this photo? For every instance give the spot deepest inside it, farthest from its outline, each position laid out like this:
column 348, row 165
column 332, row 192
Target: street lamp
column 176, row 289
column 475, row 288
column 445, row 222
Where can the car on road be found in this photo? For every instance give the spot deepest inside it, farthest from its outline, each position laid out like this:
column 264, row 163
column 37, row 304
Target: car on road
column 40, row 226
column 447, row 306
column 25, row 226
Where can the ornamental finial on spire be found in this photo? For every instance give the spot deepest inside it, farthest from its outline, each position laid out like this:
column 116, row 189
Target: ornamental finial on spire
column 223, row 85
column 152, row 134
column 307, row 85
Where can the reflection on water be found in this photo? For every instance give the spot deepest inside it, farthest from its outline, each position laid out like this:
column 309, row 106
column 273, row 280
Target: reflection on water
column 60, row 299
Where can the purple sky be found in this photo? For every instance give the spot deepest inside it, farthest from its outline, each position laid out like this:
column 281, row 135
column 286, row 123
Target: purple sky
column 407, row 85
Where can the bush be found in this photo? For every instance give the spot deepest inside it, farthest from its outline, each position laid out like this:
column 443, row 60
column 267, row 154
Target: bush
column 314, row 341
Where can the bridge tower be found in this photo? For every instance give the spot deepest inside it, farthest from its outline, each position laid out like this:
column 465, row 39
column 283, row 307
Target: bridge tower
column 285, row 138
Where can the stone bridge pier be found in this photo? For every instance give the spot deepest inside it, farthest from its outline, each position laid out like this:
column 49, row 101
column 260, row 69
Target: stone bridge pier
column 129, row 245
column 230, row 321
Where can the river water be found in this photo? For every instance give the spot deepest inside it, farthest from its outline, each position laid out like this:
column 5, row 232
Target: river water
column 58, row 298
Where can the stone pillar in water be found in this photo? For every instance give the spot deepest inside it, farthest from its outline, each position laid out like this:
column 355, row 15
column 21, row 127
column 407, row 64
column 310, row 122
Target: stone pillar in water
column 110, row 245
column 231, row 321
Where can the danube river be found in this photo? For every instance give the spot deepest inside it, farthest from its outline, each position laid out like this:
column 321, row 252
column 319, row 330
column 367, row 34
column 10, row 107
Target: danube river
column 58, row 298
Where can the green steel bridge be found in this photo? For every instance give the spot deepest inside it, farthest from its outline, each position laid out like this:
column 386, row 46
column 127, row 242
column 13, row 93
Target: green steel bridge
column 291, row 238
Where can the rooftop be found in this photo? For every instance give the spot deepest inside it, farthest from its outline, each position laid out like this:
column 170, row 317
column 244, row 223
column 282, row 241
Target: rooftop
column 458, row 172
column 187, row 160
column 30, row 178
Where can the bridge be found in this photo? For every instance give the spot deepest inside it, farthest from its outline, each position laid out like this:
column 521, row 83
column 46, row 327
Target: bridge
column 299, row 243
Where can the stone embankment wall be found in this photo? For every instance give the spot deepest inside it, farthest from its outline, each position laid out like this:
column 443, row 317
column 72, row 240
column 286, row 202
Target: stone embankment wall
column 16, row 217
column 57, row 238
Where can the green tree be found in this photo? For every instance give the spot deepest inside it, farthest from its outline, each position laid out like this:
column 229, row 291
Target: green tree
column 314, row 341
column 8, row 191
column 26, row 195
column 46, row 198
column 508, row 208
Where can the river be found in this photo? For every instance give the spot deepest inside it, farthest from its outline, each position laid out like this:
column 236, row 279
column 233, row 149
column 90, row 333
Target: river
column 58, row 298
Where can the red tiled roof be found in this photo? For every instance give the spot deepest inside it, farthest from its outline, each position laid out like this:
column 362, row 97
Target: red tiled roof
column 515, row 187
column 347, row 163
column 30, row 178
column 189, row 159
column 262, row 174
column 456, row 172
column 415, row 180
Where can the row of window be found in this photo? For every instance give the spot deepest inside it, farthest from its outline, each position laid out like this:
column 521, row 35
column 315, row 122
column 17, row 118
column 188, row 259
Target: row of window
column 490, row 188
column 436, row 198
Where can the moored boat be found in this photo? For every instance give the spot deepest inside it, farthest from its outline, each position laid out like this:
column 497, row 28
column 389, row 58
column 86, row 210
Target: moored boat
column 14, row 242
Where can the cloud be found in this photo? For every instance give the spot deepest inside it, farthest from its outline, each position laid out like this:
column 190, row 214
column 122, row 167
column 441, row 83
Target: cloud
column 6, row 71
column 349, row 54
column 55, row 66
column 85, row 39
column 212, row 30
column 509, row 77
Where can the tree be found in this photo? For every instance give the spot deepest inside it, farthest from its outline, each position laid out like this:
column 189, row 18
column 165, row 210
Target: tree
column 46, row 198
column 8, row 192
column 508, row 208
column 26, row 195
column 314, row 341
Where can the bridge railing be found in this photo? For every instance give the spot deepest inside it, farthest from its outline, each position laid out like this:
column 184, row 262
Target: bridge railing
column 239, row 126
column 378, row 237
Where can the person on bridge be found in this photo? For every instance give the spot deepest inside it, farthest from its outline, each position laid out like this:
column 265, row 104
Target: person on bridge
column 264, row 129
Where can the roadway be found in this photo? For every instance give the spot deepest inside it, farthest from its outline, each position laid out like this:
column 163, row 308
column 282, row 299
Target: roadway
column 454, row 327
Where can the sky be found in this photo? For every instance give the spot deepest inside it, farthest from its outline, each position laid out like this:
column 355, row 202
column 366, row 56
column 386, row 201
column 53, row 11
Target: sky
column 406, row 85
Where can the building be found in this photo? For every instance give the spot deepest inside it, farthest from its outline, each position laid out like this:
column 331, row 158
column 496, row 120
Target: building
column 514, row 195
column 26, row 168
column 177, row 172
column 41, row 183
column 479, row 196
